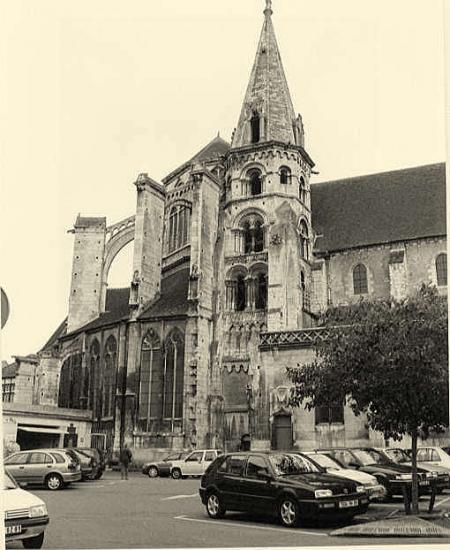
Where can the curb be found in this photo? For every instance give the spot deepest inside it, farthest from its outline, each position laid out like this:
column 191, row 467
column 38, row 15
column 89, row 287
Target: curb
column 406, row 526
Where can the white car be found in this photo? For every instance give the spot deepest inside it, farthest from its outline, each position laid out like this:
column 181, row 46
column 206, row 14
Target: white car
column 434, row 456
column 25, row 515
column 194, row 464
column 440, row 474
column 374, row 489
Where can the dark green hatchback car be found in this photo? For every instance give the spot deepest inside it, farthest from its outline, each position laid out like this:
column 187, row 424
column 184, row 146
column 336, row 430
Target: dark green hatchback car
column 286, row 485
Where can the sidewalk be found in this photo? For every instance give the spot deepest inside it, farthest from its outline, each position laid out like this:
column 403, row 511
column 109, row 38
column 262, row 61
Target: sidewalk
column 436, row 524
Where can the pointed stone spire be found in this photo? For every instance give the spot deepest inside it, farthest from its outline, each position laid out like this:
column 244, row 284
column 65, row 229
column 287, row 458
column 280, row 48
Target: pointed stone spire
column 267, row 113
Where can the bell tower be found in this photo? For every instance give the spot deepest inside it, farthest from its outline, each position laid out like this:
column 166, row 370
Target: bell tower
column 268, row 235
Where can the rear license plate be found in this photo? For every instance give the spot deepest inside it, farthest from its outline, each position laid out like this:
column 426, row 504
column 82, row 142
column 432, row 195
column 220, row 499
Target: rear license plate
column 348, row 503
column 424, row 483
column 13, row 529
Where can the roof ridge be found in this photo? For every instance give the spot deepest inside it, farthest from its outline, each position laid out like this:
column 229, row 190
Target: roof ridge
column 387, row 172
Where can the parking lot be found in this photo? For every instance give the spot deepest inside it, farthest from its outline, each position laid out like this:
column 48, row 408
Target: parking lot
column 167, row 513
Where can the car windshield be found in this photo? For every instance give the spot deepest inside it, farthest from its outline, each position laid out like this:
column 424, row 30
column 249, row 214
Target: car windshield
column 397, row 455
column 365, row 457
column 8, row 482
column 291, row 464
column 83, row 454
column 326, row 461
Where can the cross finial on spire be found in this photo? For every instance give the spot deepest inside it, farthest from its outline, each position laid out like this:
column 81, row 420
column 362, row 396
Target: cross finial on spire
column 268, row 11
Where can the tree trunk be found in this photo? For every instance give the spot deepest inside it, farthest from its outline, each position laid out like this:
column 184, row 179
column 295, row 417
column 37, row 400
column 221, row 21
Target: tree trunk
column 415, row 484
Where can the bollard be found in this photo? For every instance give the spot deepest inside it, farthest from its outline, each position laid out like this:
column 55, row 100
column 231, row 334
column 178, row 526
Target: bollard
column 406, row 499
column 433, row 496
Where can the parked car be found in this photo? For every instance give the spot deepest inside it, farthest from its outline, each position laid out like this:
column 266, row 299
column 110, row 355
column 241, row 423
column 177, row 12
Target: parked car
column 52, row 468
column 25, row 514
column 391, row 475
column 281, row 484
column 370, row 483
column 97, row 462
column 86, row 463
column 163, row 467
column 434, row 456
column 194, row 464
column 441, row 476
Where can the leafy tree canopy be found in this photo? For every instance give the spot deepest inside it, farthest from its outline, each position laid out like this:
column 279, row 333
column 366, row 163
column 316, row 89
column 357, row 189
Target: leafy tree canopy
column 388, row 359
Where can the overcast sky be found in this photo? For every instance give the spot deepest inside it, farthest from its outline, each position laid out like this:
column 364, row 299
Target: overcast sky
column 97, row 91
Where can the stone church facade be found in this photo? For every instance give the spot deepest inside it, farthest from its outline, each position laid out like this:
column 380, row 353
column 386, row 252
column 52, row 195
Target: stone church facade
column 235, row 254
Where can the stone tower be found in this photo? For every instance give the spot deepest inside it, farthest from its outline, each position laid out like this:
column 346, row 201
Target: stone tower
column 268, row 230
column 87, row 265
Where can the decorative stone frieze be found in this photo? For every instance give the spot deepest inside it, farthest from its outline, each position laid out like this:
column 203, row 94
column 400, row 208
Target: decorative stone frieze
column 292, row 338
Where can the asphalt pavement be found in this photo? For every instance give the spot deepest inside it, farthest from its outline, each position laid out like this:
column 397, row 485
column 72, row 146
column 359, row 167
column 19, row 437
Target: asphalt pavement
column 166, row 513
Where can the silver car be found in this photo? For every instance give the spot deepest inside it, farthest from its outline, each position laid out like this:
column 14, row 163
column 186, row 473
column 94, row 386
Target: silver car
column 52, row 468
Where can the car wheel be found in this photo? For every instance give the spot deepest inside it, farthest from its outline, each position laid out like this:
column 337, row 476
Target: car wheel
column 214, row 506
column 176, row 474
column 53, row 482
column 152, row 471
column 289, row 512
column 34, row 542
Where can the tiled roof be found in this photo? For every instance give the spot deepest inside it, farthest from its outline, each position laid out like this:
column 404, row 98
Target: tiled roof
column 84, row 222
column 30, row 358
column 215, row 148
column 9, row 371
column 379, row 208
column 116, row 309
column 173, row 298
column 53, row 340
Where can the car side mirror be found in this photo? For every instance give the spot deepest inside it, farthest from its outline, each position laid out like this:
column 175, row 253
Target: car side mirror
column 263, row 474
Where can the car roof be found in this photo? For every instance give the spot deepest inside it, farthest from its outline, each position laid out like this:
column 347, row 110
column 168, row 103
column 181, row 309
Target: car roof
column 49, row 450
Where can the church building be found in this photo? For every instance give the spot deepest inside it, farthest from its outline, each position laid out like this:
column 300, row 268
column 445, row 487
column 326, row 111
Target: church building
column 236, row 253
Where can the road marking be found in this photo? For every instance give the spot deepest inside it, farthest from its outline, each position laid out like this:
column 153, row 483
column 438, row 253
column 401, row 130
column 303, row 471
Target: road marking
column 393, row 513
column 241, row 524
column 442, row 502
column 174, row 497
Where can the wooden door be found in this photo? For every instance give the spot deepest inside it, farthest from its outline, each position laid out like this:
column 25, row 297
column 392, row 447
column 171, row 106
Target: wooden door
column 282, row 437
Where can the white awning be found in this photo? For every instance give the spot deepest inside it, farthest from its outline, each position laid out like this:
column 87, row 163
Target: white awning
column 41, row 430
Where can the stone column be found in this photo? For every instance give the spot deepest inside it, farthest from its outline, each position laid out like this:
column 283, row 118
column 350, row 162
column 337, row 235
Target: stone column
column 250, row 292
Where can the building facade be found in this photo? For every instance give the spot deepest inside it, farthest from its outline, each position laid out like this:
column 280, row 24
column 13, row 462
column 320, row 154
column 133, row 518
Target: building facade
column 235, row 254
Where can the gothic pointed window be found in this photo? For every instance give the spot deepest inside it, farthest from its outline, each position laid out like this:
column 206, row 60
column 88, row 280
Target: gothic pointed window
column 360, row 279
column 70, row 383
column 285, row 175
column 255, row 127
column 255, row 182
column 151, row 382
column 109, row 377
column 94, row 375
column 304, row 240
column 441, row 270
column 179, row 227
column 173, row 377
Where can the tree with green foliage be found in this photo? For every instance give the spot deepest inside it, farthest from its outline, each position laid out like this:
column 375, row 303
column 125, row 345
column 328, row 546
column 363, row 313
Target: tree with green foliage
column 387, row 359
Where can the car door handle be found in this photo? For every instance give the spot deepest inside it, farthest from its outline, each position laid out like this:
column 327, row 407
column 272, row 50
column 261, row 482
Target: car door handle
column 21, row 467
